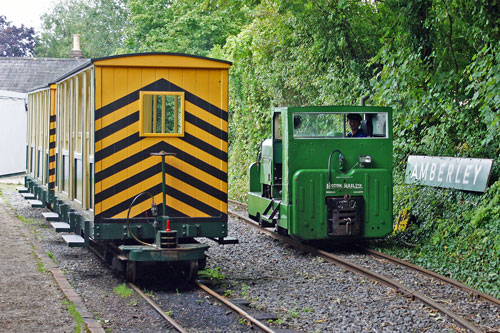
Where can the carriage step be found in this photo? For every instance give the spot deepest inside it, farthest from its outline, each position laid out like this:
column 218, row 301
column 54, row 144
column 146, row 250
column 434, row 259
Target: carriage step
column 74, row 240
column 225, row 240
column 240, row 302
column 35, row 203
column 28, row 195
column 265, row 316
column 50, row 216
column 22, row 189
column 60, row 226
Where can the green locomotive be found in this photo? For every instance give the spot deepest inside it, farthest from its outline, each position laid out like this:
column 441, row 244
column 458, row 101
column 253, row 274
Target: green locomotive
column 326, row 173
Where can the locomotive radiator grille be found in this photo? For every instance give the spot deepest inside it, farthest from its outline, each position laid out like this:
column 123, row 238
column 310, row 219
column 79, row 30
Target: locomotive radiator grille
column 345, row 216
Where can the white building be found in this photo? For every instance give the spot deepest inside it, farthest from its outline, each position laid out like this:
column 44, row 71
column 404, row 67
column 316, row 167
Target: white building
column 12, row 132
column 17, row 77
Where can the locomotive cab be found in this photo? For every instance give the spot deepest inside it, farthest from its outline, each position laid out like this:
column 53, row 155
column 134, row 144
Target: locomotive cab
column 315, row 181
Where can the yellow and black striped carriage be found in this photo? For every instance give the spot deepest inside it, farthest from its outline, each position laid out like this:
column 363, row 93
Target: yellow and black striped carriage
column 131, row 151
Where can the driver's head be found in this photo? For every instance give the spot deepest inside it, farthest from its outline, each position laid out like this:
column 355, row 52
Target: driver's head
column 354, row 119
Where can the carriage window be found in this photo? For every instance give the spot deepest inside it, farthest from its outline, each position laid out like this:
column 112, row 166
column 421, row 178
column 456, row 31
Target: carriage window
column 161, row 113
column 336, row 125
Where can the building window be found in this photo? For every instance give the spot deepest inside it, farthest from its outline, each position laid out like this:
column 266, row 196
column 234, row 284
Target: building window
column 161, row 113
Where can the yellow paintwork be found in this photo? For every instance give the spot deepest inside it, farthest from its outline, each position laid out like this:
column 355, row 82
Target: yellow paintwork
column 52, row 138
column 160, row 61
column 105, row 83
column 118, row 77
column 38, row 138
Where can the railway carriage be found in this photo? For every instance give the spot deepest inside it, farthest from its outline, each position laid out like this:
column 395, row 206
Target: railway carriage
column 314, row 182
column 131, row 151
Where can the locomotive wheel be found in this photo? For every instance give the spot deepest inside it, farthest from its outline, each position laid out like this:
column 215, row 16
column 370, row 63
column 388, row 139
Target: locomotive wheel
column 280, row 230
column 191, row 270
column 202, row 263
column 131, row 272
column 108, row 256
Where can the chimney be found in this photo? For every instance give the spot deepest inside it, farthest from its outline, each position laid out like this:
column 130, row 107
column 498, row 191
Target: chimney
column 76, row 52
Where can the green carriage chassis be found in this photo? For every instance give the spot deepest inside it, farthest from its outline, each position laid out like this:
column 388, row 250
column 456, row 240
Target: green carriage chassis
column 172, row 238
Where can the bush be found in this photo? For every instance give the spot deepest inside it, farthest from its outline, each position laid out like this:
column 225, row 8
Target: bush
column 455, row 233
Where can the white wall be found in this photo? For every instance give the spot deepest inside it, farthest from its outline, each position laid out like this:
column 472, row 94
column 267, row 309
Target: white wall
column 13, row 118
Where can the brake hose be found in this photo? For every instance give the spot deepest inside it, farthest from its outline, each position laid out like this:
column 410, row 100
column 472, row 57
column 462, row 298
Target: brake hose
column 128, row 217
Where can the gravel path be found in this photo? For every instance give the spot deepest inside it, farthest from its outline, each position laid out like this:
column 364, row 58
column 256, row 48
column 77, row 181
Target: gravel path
column 305, row 293
column 30, row 300
column 310, row 295
column 483, row 314
column 94, row 282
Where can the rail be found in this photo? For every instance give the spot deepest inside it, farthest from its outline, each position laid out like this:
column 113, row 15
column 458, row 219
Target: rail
column 363, row 271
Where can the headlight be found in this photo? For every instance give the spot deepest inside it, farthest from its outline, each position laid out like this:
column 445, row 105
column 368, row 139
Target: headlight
column 364, row 160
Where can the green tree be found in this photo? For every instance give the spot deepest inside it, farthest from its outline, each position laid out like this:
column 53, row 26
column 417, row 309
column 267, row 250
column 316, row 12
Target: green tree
column 295, row 53
column 431, row 51
column 188, row 26
column 100, row 23
column 15, row 41
column 439, row 69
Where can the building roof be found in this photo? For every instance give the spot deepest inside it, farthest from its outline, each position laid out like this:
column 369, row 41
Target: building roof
column 25, row 74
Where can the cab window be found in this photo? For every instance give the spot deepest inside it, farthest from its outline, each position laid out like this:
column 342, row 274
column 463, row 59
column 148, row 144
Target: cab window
column 336, row 125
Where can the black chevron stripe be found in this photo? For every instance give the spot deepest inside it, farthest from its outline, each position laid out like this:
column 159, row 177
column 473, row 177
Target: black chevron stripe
column 182, row 155
column 183, row 197
column 171, row 171
column 124, row 205
column 156, row 189
column 160, row 85
column 117, row 146
column 190, row 118
column 130, row 181
column 116, row 126
column 126, row 142
column 202, row 104
column 192, row 140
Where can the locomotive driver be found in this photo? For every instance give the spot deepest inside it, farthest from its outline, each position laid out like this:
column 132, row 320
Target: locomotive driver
column 354, row 120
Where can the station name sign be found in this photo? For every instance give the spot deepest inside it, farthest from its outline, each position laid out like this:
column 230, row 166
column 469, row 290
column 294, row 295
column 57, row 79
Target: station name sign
column 469, row 174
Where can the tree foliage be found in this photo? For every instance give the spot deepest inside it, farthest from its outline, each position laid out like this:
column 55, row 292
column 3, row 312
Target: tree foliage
column 187, row 26
column 295, row 53
column 439, row 70
column 15, row 41
column 431, row 60
column 100, row 23
column 435, row 62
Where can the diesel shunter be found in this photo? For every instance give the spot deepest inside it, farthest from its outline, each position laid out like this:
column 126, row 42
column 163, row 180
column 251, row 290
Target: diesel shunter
column 321, row 177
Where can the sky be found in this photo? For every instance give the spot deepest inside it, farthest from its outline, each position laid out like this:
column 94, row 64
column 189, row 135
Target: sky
column 25, row 12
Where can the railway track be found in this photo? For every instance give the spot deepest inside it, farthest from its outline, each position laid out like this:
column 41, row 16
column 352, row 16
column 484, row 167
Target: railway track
column 469, row 308
column 178, row 327
column 205, row 289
